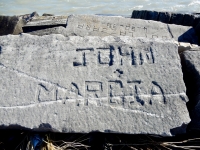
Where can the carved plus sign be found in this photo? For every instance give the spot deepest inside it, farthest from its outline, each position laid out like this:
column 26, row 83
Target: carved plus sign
column 118, row 72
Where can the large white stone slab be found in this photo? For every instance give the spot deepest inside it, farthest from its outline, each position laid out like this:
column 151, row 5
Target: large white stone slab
column 92, row 25
column 84, row 84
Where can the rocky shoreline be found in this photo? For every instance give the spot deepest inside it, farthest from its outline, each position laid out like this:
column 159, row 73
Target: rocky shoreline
column 86, row 73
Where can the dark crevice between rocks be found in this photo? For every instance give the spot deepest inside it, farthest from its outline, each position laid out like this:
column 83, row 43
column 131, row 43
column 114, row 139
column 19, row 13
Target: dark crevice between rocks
column 22, row 139
column 192, row 83
column 27, row 29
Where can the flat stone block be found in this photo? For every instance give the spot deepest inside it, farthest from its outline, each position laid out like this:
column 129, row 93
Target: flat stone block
column 44, row 22
column 91, row 25
column 84, row 84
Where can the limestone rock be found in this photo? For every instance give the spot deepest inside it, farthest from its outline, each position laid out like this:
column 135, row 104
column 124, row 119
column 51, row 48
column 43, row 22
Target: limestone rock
column 84, row 84
column 91, row 25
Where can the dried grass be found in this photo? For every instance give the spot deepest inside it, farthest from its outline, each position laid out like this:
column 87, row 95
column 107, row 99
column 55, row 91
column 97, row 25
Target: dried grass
column 133, row 142
column 49, row 144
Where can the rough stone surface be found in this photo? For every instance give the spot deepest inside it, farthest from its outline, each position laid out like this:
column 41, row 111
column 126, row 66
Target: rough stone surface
column 183, row 33
column 47, row 20
column 83, row 25
column 14, row 24
column 83, row 84
column 10, row 25
column 191, row 69
column 44, row 22
column 168, row 17
column 164, row 17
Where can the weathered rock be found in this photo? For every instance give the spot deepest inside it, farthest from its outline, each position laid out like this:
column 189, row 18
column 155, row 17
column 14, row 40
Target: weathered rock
column 134, row 14
column 14, row 24
column 164, row 17
column 188, row 20
column 84, row 84
column 191, row 69
column 176, row 18
column 152, row 15
column 44, row 22
column 10, row 25
column 29, row 17
column 183, row 33
column 83, row 25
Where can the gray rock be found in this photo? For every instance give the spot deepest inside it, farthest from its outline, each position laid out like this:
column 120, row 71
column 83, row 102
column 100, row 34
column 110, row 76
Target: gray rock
column 183, row 33
column 164, row 17
column 191, row 69
column 44, row 22
column 84, row 84
column 196, row 20
column 91, row 25
column 46, row 14
column 176, row 19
